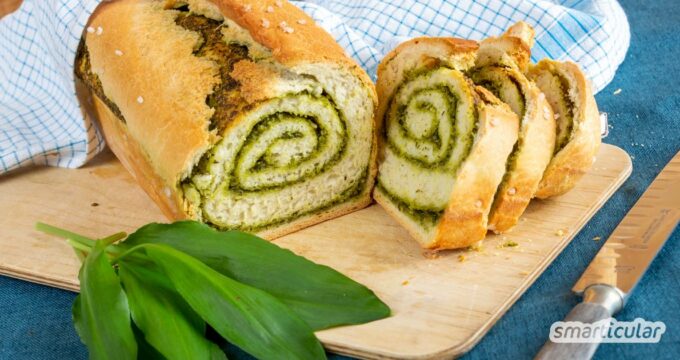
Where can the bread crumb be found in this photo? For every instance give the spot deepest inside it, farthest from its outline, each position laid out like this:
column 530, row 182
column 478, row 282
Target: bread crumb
column 524, row 272
column 510, row 243
column 247, row 8
column 597, row 238
column 512, row 191
column 404, row 283
column 461, row 258
column 265, row 23
column 477, row 247
column 140, row 99
column 559, row 232
column 302, row 21
column 430, row 254
column 94, row 204
column 100, row 30
column 541, row 96
column 270, row 9
column 288, row 30
column 493, row 122
column 90, row 29
column 556, row 116
column 478, row 203
column 118, row 52
column 617, row 91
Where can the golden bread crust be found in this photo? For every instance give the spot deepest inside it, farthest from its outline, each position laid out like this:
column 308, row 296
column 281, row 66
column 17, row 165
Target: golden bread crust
column 131, row 155
column 166, row 115
column 523, row 31
column 465, row 219
column 506, row 50
column 521, row 183
column 578, row 155
column 537, row 129
column 307, row 43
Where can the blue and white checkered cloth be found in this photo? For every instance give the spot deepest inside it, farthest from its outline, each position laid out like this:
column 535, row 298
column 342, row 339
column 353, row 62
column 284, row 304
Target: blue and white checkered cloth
column 41, row 122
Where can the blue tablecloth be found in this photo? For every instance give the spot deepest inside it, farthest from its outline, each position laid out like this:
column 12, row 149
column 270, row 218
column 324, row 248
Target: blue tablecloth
column 35, row 321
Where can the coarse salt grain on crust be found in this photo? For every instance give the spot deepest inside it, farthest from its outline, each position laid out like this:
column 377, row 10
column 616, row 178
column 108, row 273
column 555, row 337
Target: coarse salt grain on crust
column 270, row 9
column 140, row 99
column 265, row 23
column 302, row 21
column 118, row 52
column 247, row 8
column 278, row 3
column 100, row 30
column 90, row 29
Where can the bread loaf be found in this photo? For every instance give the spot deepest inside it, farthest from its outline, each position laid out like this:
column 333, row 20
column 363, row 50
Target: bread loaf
column 241, row 115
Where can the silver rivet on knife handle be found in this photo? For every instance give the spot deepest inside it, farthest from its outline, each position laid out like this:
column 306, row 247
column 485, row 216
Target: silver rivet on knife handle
column 623, row 259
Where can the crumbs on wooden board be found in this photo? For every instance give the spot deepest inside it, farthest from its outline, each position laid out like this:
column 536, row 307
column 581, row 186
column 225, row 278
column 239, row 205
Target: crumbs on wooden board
column 431, row 254
column 597, row 238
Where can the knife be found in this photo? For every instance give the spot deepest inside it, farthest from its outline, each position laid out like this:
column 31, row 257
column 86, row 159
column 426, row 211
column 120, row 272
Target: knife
column 611, row 277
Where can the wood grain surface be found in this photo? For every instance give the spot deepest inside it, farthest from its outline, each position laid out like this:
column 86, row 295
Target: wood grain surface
column 443, row 304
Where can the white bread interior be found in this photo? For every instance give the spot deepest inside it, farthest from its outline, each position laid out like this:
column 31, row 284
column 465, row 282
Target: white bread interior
column 572, row 100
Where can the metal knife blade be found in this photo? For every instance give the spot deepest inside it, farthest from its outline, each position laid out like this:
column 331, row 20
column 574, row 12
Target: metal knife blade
column 623, row 259
column 626, row 255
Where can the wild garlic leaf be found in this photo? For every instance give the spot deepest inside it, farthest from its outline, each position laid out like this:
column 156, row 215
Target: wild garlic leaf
column 249, row 318
column 100, row 313
column 320, row 295
column 166, row 320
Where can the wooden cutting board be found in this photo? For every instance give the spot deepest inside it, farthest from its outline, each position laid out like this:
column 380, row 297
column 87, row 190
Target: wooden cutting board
column 442, row 304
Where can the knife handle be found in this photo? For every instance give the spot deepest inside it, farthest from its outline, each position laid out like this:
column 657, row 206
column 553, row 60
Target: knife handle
column 600, row 302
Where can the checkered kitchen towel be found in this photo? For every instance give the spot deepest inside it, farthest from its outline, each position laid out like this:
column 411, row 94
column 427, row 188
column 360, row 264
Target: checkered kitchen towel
column 41, row 123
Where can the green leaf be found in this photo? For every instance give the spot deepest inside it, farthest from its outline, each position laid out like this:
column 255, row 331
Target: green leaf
column 100, row 313
column 249, row 318
column 144, row 350
column 320, row 295
column 166, row 320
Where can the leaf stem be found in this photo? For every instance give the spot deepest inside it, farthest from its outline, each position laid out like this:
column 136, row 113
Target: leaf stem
column 79, row 242
column 53, row 230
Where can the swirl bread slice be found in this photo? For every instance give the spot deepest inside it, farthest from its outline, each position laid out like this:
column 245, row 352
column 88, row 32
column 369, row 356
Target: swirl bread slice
column 498, row 69
column 243, row 116
column 578, row 125
column 444, row 142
